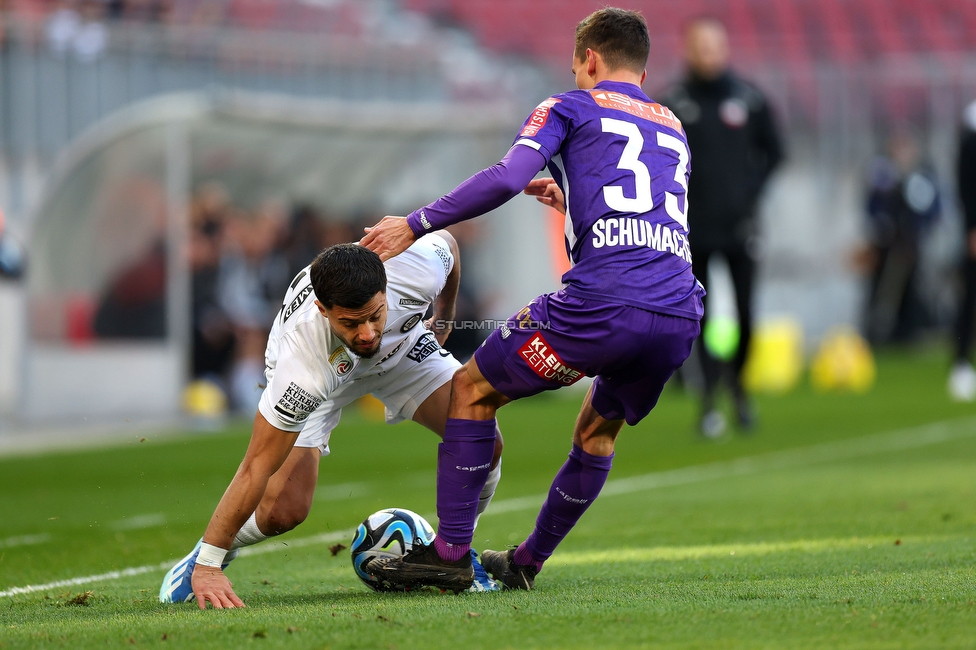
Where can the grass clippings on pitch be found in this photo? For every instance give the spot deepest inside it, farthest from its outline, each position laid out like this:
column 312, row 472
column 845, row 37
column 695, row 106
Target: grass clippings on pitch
column 846, row 521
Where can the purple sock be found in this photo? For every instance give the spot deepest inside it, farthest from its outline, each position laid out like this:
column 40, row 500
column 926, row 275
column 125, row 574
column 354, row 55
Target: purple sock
column 576, row 486
column 463, row 459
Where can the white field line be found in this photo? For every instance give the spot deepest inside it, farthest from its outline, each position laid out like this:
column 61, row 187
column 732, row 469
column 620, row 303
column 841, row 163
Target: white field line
column 139, row 522
column 341, row 491
column 873, row 445
column 270, row 547
column 24, row 540
column 101, row 577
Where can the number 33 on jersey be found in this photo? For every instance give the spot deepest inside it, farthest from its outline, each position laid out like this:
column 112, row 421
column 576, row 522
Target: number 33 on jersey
column 623, row 164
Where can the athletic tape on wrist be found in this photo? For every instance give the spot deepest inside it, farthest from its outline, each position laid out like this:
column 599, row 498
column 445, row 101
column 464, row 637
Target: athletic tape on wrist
column 211, row 555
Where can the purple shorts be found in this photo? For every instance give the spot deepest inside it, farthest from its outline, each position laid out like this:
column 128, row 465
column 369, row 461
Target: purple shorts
column 557, row 339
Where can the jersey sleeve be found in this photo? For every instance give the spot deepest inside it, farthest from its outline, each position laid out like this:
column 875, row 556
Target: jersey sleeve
column 546, row 128
column 421, row 271
column 292, row 392
column 483, row 192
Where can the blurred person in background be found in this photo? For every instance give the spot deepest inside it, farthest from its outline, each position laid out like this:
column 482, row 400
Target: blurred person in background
column 213, row 332
column 133, row 305
column 63, row 24
column 734, row 146
column 132, row 243
column 11, row 256
column 902, row 206
column 91, row 39
column 305, row 238
column 343, row 231
column 253, row 274
column 962, row 379
column 76, row 27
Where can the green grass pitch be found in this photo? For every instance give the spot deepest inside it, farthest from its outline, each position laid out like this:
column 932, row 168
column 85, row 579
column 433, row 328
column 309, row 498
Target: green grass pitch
column 847, row 521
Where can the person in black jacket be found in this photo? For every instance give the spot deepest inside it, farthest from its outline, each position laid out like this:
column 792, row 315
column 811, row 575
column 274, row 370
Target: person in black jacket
column 903, row 205
column 734, row 148
column 962, row 379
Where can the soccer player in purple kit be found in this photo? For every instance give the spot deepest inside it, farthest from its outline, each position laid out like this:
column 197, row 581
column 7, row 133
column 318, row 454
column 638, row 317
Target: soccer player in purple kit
column 627, row 314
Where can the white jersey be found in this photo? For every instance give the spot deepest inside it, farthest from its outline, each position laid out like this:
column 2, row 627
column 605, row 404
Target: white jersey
column 307, row 367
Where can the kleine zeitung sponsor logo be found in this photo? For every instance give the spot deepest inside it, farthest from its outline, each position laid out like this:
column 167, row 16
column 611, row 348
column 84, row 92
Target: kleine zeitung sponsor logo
column 546, row 363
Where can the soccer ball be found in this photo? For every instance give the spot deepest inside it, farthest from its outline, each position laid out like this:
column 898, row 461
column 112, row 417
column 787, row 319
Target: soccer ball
column 387, row 533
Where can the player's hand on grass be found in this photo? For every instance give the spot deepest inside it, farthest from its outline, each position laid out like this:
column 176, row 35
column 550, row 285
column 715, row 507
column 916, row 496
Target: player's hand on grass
column 390, row 237
column 210, row 584
column 548, row 193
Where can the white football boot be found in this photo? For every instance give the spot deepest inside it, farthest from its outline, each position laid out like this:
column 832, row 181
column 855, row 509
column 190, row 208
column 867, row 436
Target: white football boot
column 482, row 581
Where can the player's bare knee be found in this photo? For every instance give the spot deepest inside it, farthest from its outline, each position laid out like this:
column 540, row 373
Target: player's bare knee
column 282, row 523
column 598, row 436
column 597, row 445
column 286, row 516
column 463, row 388
column 466, row 392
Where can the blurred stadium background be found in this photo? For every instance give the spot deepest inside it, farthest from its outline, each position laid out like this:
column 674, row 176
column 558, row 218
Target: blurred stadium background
column 167, row 165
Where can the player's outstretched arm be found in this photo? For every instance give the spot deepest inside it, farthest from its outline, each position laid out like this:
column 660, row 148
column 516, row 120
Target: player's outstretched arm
column 547, row 192
column 390, row 237
column 481, row 193
column 268, row 449
column 441, row 322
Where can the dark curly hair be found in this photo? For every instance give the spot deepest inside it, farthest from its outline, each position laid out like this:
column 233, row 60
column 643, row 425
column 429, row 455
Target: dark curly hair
column 347, row 275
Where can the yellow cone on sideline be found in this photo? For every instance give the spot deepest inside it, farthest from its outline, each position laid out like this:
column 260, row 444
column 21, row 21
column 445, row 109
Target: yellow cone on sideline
column 843, row 362
column 371, row 408
column 203, row 398
column 775, row 361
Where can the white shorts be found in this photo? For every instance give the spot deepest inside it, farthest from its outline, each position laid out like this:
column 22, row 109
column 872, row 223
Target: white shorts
column 402, row 390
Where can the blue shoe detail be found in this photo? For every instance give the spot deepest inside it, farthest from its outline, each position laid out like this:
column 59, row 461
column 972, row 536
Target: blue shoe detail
column 482, row 581
column 176, row 587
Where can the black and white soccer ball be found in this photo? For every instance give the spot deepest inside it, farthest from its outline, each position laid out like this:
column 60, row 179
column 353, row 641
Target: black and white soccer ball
column 388, row 533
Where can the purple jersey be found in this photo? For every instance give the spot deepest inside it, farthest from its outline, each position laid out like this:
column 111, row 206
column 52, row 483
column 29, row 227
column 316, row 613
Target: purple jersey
column 622, row 162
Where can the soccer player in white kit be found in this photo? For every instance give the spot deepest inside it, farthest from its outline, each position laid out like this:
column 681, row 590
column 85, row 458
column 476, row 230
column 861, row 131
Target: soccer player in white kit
column 349, row 326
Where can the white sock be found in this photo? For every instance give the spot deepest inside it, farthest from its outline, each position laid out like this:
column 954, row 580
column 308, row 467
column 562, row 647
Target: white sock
column 488, row 492
column 249, row 534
